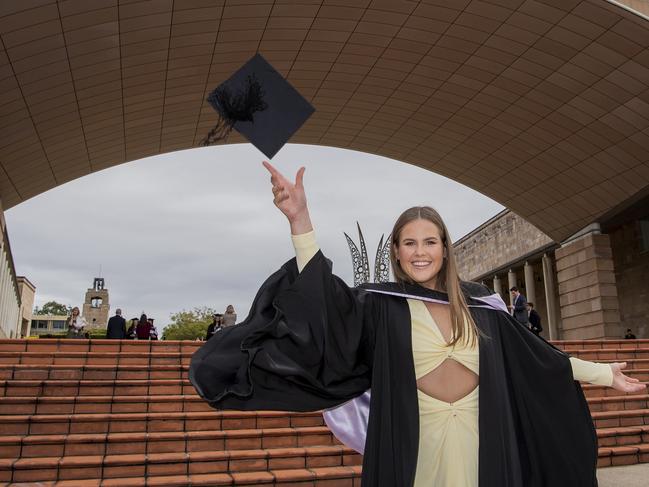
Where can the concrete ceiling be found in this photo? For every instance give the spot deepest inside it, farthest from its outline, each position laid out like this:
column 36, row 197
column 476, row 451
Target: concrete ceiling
column 542, row 105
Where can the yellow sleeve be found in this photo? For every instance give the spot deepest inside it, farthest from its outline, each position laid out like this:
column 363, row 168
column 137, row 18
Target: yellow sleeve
column 305, row 248
column 592, row 372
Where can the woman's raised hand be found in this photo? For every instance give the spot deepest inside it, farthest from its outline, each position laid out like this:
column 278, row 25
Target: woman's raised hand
column 290, row 198
column 624, row 383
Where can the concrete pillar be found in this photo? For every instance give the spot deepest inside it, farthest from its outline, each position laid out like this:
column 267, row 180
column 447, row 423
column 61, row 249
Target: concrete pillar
column 587, row 288
column 550, row 297
column 498, row 286
column 511, row 282
column 530, row 292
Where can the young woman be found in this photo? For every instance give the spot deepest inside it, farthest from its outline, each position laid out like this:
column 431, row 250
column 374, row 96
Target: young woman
column 143, row 328
column 229, row 318
column 76, row 324
column 462, row 394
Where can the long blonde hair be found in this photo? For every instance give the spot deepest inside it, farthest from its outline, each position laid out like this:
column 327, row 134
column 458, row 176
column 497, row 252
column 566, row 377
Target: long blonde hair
column 447, row 278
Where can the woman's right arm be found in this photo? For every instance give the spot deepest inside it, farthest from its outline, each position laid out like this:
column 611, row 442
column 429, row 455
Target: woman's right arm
column 290, row 198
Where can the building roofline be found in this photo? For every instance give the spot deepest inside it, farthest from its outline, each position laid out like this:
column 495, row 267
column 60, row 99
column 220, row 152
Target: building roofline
column 27, row 281
column 480, row 227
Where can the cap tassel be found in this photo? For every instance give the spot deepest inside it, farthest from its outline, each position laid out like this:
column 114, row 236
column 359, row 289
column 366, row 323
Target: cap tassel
column 234, row 108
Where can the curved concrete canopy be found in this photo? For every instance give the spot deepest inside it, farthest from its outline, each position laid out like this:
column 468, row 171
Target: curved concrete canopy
column 542, row 105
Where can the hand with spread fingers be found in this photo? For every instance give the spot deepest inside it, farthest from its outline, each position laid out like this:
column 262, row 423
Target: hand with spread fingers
column 624, row 383
column 290, row 198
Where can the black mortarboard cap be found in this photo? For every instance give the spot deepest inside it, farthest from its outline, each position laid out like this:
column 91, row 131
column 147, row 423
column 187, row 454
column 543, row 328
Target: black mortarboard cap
column 260, row 104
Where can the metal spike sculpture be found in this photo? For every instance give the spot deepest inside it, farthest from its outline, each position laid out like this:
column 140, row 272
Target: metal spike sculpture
column 382, row 261
column 361, row 263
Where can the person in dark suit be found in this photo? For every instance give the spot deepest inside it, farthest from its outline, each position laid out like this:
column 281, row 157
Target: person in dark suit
column 534, row 319
column 116, row 326
column 629, row 335
column 518, row 307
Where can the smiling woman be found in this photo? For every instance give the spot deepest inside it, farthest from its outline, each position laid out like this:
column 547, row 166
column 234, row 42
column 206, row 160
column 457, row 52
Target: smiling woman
column 423, row 343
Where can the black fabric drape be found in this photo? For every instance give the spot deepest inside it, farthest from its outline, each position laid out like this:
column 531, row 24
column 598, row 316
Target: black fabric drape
column 306, row 345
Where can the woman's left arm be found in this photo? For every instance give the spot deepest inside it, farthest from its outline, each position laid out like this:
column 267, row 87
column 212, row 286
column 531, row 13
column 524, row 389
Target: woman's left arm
column 605, row 375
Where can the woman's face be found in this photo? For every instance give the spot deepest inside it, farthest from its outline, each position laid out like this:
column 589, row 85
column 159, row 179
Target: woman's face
column 230, row 309
column 421, row 252
column 75, row 311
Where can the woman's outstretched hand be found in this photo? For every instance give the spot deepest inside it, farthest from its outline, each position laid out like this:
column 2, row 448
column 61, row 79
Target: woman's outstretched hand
column 624, row 383
column 290, row 198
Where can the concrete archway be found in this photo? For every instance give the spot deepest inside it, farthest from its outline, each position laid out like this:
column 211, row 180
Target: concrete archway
column 540, row 104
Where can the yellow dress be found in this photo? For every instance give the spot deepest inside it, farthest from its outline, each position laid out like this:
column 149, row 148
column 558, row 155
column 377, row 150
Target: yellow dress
column 448, row 432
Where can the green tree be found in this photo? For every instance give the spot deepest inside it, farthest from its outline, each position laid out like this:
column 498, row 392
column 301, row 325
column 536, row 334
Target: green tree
column 189, row 325
column 53, row 308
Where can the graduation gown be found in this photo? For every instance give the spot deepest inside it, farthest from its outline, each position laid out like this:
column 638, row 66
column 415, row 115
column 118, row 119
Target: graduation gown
column 310, row 342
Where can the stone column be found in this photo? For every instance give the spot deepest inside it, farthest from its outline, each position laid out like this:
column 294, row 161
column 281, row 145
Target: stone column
column 530, row 292
column 511, row 282
column 550, row 297
column 587, row 288
column 498, row 286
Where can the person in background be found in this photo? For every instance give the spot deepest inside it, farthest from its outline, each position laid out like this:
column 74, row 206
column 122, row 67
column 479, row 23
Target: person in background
column 534, row 319
column 130, row 333
column 629, row 335
column 76, row 323
column 230, row 317
column 153, row 334
column 215, row 326
column 116, row 328
column 143, row 328
column 518, row 307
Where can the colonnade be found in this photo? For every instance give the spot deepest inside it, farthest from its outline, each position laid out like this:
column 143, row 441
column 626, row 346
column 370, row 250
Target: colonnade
column 551, row 311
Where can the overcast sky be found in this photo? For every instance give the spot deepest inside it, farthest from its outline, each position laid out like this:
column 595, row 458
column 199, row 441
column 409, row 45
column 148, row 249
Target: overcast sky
column 198, row 227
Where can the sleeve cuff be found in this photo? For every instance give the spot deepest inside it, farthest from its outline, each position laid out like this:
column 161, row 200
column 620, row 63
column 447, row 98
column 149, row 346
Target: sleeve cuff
column 305, row 248
column 591, row 372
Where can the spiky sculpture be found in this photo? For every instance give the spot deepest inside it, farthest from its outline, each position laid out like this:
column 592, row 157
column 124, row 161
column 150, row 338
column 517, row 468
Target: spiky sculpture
column 361, row 263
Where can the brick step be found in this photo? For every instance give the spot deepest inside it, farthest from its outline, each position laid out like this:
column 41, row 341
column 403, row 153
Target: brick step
column 258, row 463
column 96, row 358
column 92, row 372
column 342, row 476
column 627, row 435
column 615, row 354
column 32, row 446
column 153, row 465
column 53, row 388
column 145, row 346
column 623, row 455
column 599, row 344
column 101, row 404
column 37, row 405
column 616, row 403
column 63, row 424
column 617, row 419
column 97, row 345
column 136, row 357
column 62, row 387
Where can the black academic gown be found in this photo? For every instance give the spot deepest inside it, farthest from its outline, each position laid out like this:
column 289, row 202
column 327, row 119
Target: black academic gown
column 311, row 342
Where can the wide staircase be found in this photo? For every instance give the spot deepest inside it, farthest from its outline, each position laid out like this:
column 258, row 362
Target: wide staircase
column 122, row 413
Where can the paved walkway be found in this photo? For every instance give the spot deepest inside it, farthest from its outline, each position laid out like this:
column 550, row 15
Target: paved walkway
column 631, row 476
